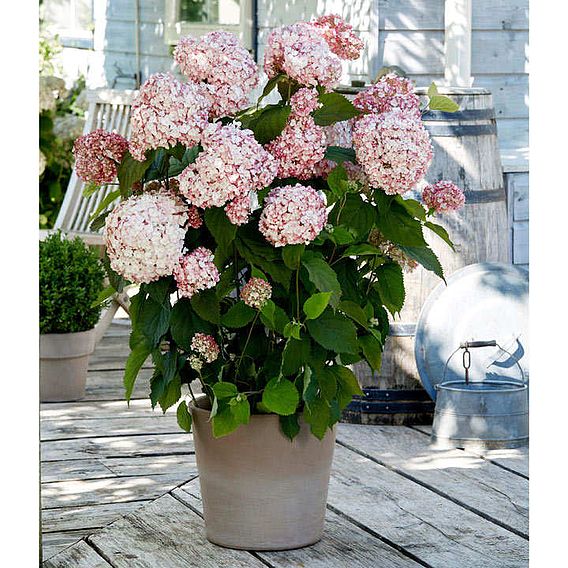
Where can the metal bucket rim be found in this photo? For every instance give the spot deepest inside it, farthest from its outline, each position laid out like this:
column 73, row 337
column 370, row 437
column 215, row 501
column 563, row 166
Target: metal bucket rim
column 507, row 386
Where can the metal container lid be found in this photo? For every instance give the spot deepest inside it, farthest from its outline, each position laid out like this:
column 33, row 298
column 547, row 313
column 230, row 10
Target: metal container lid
column 482, row 301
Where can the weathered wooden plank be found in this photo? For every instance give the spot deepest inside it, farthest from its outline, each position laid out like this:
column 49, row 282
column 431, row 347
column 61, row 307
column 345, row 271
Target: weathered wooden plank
column 165, row 533
column 414, row 51
column 502, row 15
column 521, row 242
column 65, row 470
column 119, row 35
column 342, row 544
column 411, row 15
column 86, row 518
column 105, row 447
column 108, row 385
column 516, row 459
column 81, row 555
column 54, row 543
column 97, row 468
column 510, row 93
column 491, row 491
column 90, row 427
column 513, row 134
column 433, row 528
column 499, row 51
column 518, row 191
column 110, row 490
column 108, row 409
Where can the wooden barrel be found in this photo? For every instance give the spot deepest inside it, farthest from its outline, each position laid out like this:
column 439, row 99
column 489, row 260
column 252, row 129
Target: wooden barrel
column 465, row 152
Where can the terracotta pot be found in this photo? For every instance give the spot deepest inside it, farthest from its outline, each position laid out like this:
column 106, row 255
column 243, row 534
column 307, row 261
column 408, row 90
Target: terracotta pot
column 260, row 491
column 64, row 358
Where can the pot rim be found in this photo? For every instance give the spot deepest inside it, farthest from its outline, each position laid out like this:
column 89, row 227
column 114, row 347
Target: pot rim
column 461, row 386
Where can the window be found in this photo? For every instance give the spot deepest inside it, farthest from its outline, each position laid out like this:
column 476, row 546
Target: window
column 197, row 17
column 71, row 20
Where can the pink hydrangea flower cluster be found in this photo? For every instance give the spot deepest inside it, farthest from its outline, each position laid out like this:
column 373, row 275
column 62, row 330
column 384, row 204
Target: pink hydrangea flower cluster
column 166, row 112
column 393, row 149
column 301, row 145
column 300, row 51
column 443, row 197
column 293, row 214
column 339, row 36
column 144, row 236
column 238, row 211
column 304, row 101
column 195, row 271
column 231, row 165
column 222, row 65
column 388, row 93
column 205, row 346
column 98, row 154
column 194, row 219
column 256, row 292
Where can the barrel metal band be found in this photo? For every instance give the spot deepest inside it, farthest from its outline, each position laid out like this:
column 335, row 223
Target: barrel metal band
column 402, row 329
column 455, row 130
column 484, row 196
column 478, row 114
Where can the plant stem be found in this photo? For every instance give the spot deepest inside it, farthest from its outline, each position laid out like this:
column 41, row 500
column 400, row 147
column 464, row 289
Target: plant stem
column 298, row 293
column 246, row 344
column 192, row 395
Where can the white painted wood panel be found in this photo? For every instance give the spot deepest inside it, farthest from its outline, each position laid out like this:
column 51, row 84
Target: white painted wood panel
column 521, row 242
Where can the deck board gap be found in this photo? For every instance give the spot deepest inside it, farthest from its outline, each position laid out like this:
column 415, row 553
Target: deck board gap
column 378, row 536
column 443, row 494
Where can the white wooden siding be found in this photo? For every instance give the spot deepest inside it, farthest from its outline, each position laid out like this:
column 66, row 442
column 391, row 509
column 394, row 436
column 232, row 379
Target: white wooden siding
column 410, row 34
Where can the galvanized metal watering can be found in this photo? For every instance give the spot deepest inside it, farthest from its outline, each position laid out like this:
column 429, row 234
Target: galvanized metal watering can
column 481, row 414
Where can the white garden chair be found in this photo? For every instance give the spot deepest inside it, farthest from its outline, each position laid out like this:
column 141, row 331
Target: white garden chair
column 108, row 109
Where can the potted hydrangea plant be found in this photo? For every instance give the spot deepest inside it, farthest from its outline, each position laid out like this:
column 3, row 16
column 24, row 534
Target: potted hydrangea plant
column 70, row 280
column 269, row 244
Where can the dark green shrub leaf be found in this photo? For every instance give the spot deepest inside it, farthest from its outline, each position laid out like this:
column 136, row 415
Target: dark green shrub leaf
column 335, row 108
column 220, row 227
column 339, row 154
column 357, row 215
column 327, row 382
column 426, row 257
column 281, row 396
column 338, row 181
column 354, row 311
column 372, row 349
column 398, row 226
column 131, row 171
column 318, row 414
column 238, row 315
column 99, row 222
column 295, row 355
column 322, row 276
column 159, row 290
column 441, row 232
column 316, row 304
column 413, row 207
column 334, row 332
column 224, row 390
column 206, row 305
column 183, row 416
column 290, row 426
column 154, row 320
column 270, row 122
column 171, row 394
column 137, row 357
column 390, row 286
column 292, row 329
column 224, row 422
column 104, row 296
column 291, row 255
column 112, row 196
column 364, row 249
column 347, row 385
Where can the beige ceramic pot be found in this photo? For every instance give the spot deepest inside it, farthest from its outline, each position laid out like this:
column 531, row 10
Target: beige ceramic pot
column 260, row 491
column 64, row 358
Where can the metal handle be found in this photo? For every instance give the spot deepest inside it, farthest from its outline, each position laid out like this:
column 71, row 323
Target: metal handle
column 466, row 362
column 470, row 344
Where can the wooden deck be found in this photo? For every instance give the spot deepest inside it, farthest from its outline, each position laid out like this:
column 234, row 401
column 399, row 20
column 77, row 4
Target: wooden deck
column 120, row 489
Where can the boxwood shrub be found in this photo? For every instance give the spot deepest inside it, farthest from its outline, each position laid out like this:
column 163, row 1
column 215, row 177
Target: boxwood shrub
column 71, row 278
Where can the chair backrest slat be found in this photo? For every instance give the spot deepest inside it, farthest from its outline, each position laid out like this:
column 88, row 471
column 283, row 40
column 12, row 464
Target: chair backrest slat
column 108, row 109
